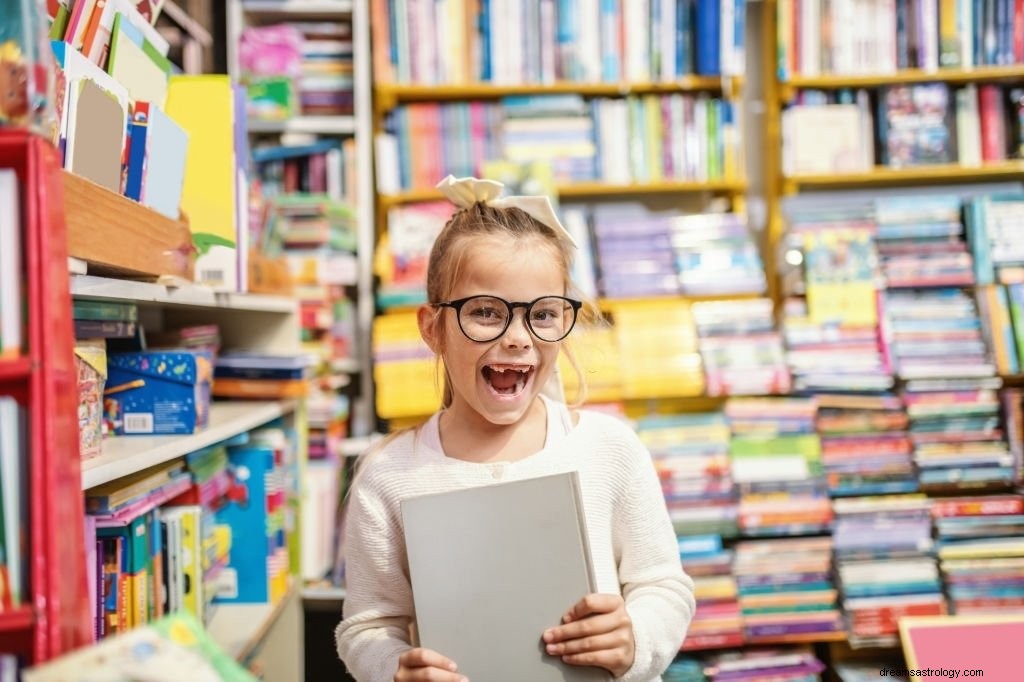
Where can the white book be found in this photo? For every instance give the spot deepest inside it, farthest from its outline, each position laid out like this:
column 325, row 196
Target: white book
column 492, row 568
column 11, row 334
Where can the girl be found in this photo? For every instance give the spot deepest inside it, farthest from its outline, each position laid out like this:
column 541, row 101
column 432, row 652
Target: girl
column 498, row 286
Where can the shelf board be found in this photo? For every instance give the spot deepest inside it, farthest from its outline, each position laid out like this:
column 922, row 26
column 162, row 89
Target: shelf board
column 323, row 594
column 194, row 295
column 239, row 628
column 389, row 94
column 15, row 369
column 605, row 303
column 883, row 175
column 21, row 618
column 838, row 81
column 581, row 190
column 123, row 455
column 298, row 7
column 323, row 125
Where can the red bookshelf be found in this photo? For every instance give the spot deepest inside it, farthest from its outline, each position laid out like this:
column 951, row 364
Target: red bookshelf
column 54, row 617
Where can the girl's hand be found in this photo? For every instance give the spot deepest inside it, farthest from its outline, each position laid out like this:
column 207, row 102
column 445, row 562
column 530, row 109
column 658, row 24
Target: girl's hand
column 426, row 664
column 596, row 631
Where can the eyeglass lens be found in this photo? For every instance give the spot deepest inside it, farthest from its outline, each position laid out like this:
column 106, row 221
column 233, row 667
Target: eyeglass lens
column 485, row 318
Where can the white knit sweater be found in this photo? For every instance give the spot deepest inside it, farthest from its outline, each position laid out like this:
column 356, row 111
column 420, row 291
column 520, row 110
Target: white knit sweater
column 632, row 543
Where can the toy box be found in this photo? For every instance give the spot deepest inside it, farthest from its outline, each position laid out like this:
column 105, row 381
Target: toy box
column 158, row 392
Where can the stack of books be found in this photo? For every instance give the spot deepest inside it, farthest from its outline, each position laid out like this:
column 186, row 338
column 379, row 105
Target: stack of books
column 776, row 461
column 741, row 350
column 886, row 565
column 663, row 361
column 717, row 622
column 634, row 251
column 716, row 255
column 253, row 375
column 691, row 456
column 981, row 551
column 785, row 589
column 921, row 241
column 864, row 444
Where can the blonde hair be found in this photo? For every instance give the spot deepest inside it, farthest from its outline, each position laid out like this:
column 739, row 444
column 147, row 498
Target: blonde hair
column 464, row 230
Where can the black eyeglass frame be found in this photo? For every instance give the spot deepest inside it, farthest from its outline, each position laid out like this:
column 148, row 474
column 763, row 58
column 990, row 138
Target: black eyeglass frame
column 457, row 304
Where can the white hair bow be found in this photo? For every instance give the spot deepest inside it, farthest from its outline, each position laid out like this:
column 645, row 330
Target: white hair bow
column 464, row 192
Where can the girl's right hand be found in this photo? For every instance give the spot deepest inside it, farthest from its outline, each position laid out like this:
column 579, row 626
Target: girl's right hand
column 426, row 664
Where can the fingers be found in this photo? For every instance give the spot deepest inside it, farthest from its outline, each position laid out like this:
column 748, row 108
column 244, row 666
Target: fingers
column 618, row 640
column 589, row 627
column 421, row 664
column 593, row 604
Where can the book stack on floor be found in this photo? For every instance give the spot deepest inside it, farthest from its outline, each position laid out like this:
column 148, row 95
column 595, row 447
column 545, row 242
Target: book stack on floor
column 885, row 563
column 796, row 664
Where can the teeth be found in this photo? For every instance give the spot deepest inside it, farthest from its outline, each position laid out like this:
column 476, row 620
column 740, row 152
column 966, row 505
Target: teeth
column 520, row 382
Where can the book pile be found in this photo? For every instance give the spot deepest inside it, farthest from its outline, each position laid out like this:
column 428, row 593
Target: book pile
column 685, row 669
column 981, row 552
column 104, row 319
column 936, row 333
column 921, row 241
column 776, row 461
column 554, row 129
column 957, row 435
column 239, row 374
column 595, row 349
column 691, row 456
column 999, row 323
column 885, row 564
column 634, row 251
column 778, row 665
column 865, row 448
column 326, row 81
column 715, row 255
column 716, row 623
column 785, row 589
column 741, row 350
column 662, row 361
column 322, row 167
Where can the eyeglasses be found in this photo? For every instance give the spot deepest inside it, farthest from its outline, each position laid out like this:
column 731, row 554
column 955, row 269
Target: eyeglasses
column 485, row 318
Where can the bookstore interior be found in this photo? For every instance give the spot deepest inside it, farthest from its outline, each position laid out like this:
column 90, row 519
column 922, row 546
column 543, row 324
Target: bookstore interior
column 801, row 222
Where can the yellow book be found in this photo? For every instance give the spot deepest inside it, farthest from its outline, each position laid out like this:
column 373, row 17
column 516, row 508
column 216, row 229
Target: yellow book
column 205, row 106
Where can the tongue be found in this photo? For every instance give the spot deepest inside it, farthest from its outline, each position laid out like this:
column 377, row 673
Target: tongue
column 504, row 381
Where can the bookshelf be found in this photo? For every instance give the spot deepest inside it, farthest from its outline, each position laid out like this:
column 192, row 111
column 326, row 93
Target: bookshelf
column 310, row 127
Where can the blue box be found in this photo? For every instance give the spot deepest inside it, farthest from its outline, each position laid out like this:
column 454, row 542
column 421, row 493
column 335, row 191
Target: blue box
column 158, row 392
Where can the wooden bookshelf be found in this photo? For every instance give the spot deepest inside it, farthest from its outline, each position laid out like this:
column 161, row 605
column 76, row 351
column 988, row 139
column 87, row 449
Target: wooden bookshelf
column 121, row 236
column 239, row 629
column 15, row 369
column 586, row 190
column 886, row 176
column 978, row 74
column 390, row 94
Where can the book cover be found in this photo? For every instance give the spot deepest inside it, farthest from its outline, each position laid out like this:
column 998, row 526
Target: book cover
column 492, row 567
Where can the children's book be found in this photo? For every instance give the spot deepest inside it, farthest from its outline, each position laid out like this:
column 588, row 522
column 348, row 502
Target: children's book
column 172, row 649
column 492, row 568
column 10, row 265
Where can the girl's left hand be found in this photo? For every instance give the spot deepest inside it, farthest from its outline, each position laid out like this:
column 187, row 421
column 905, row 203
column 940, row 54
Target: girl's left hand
column 596, row 631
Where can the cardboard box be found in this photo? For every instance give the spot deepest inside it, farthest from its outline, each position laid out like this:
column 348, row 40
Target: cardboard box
column 158, row 392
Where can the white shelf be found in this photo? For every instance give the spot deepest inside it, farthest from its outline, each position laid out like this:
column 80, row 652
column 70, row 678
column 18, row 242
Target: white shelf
column 346, row 365
column 193, row 295
column 298, row 7
column 350, row 447
column 323, row 125
column 323, row 594
column 239, row 628
column 123, row 455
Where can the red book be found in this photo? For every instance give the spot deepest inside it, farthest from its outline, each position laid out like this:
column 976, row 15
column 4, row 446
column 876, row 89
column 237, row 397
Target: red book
column 993, row 123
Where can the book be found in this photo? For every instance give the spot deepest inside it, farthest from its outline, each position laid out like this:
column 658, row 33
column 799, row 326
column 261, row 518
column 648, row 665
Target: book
column 11, row 332
column 493, row 567
column 173, row 648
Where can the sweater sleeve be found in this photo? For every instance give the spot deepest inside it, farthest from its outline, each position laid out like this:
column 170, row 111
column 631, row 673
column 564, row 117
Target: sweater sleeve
column 658, row 594
column 378, row 606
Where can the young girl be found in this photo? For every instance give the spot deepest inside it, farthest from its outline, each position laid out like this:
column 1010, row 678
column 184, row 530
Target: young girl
column 498, row 286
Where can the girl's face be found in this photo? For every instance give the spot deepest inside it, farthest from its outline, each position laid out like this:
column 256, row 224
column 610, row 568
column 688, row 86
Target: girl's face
column 498, row 381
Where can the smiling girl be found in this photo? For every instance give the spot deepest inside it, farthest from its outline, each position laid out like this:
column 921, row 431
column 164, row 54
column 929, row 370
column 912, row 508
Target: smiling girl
column 500, row 306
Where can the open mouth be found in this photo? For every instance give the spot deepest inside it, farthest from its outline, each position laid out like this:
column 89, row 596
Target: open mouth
column 507, row 379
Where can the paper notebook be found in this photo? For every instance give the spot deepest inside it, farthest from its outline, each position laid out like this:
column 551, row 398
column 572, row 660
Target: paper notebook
column 492, row 567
